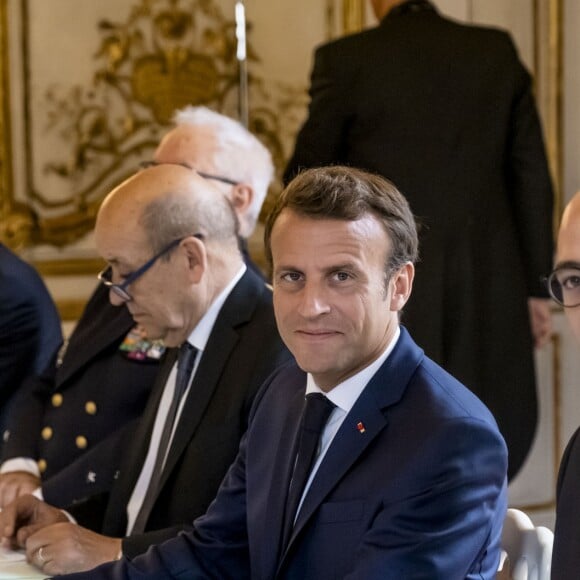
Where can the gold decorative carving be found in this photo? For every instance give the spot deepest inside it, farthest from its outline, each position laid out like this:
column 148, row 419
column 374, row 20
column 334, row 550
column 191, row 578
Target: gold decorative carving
column 165, row 55
column 548, row 67
column 67, row 267
column 70, row 310
column 16, row 220
column 353, row 15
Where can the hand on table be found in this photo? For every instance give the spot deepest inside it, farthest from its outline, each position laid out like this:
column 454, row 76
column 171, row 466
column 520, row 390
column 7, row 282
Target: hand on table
column 24, row 516
column 64, row 548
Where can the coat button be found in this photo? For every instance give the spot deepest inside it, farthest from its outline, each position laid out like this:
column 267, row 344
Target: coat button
column 42, row 465
column 46, row 433
column 91, row 408
column 81, row 442
column 56, row 400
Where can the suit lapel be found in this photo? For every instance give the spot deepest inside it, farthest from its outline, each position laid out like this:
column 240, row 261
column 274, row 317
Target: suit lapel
column 139, row 445
column 205, row 382
column 115, row 521
column 237, row 309
column 347, row 446
column 282, row 466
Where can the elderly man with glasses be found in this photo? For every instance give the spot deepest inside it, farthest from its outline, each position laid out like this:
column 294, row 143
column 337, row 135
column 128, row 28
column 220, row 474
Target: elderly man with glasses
column 65, row 435
column 564, row 287
column 171, row 243
column 224, row 152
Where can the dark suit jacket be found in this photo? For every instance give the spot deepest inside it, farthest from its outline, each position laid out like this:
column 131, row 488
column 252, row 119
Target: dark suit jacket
column 420, row 492
column 90, row 395
column 446, row 112
column 243, row 349
column 566, row 555
column 29, row 326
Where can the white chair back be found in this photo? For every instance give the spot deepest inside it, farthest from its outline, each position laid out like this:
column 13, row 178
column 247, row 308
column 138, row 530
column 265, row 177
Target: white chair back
column 526, row 549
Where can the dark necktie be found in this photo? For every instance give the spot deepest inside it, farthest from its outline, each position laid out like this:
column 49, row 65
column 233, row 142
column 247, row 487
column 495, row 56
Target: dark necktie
column 185, row 361
column 314, row 417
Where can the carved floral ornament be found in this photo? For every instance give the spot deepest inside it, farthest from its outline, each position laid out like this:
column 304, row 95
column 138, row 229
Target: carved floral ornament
column 162, row 55
column 165, row 55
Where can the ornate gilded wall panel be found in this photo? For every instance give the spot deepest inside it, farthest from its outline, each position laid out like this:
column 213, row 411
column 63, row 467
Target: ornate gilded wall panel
column 94, row 101
column 88, row 88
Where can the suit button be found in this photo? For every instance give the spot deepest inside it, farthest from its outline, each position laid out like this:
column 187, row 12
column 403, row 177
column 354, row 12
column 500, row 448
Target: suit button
column 6, row 435
column 81, row 442
column 91, row 408
column 56, row 400
column 41, row 465
column 46, row 433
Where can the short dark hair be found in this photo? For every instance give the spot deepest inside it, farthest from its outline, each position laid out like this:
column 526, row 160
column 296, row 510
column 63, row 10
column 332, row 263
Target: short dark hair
column 346, row 193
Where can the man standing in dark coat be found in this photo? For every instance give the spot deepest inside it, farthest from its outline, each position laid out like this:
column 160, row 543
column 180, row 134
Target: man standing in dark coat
column 446, row 111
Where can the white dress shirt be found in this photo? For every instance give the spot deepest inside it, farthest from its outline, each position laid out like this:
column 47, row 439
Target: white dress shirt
column 344, row 396
column 198, row 338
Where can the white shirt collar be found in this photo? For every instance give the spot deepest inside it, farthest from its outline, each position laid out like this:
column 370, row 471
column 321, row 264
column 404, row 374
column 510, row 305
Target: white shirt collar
column 345, row 394
column 200, row 335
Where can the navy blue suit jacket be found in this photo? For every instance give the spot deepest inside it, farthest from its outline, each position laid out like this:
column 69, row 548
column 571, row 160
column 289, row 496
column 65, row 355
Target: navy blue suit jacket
column 418, row 493
column 30, row 330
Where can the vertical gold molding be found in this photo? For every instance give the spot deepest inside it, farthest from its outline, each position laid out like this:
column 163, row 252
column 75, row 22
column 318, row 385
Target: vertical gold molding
column 353, row 16
column 6, row 178
column 548, row 59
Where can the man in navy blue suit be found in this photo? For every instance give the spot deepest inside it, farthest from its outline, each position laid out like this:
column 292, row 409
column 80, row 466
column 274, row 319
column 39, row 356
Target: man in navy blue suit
column 409, row 475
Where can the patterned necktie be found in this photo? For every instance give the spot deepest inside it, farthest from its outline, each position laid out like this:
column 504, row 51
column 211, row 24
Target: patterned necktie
column 314, row 417
column 185, row 362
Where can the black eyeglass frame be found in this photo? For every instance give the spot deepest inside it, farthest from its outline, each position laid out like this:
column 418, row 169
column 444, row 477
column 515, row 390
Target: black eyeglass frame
column 105, row 275
column 146, row 164
column 549, row 281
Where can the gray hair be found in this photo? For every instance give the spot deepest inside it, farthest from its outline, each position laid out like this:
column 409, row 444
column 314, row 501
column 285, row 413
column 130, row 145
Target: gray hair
column 178, row 215
column 239, row 154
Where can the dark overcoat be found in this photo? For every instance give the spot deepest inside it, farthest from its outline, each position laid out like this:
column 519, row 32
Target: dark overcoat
column 446, row 112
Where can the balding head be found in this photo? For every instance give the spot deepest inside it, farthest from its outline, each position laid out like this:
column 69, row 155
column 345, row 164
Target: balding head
column 169, row 206
column 568, row 261
column 169, row 202
column 569, row 233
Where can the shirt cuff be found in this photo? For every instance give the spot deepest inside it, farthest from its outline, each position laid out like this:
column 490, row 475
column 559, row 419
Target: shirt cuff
column 20, row 464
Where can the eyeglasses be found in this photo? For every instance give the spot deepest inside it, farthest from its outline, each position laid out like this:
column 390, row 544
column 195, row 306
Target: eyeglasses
column 106, row 275
column 146, row 164
column 564, row 286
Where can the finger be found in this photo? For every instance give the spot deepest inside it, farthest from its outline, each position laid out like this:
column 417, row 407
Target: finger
column 9, row 495
column 38, row 558
column 7, row 522
column 25, row 532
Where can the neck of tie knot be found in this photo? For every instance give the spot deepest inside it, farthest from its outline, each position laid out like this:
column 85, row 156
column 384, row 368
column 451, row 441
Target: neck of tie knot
column 316, row 412
column 185, row 362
